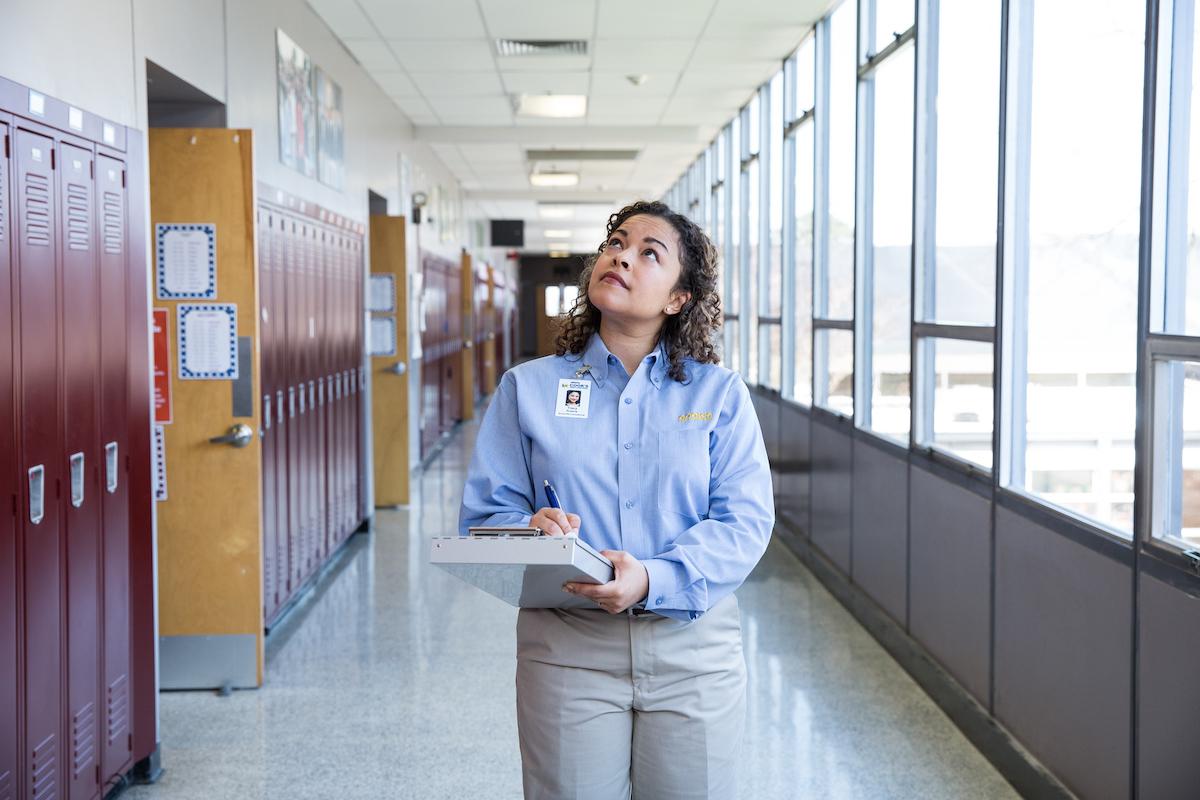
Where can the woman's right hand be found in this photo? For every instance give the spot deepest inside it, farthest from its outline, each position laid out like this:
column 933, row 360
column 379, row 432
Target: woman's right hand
column 555, row 521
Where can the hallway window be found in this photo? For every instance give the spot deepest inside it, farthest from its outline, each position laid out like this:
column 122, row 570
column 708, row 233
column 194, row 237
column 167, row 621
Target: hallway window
column 885, row 184
column 834, row 147
column 1075, row 86
column 958, row 111
column 733, row 226
column 1173, row 397
column 750, row 222
column 770, row 282
column 798, row 149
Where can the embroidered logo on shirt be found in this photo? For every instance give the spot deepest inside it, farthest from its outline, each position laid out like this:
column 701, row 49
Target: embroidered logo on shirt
column 696, row 416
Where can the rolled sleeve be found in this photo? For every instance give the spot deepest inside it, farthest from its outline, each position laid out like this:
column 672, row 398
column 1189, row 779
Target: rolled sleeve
column 711, row 559
column 499, row 489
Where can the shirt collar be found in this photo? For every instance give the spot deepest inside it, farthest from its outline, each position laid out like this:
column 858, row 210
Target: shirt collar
column 596, row 360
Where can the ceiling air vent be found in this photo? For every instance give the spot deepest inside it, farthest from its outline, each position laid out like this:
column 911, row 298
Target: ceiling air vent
column 581, row 155
column 541, row 47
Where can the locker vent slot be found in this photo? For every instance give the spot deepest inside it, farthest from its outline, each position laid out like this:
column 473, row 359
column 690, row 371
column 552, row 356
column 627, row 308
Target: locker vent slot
column 118, row 709
column 43, row 770
column 6, row 786
column 79, row 229
column 37, row 210
column 83, row 734
column 114, row 223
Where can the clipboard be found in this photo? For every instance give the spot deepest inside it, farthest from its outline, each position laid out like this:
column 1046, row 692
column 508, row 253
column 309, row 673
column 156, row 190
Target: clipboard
column 522, row 566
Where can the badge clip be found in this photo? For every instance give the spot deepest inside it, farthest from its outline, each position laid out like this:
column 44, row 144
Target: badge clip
column 586, row 368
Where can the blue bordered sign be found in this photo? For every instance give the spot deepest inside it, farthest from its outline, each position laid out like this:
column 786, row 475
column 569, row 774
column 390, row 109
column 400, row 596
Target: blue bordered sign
column 207, row 341
column 186, row 261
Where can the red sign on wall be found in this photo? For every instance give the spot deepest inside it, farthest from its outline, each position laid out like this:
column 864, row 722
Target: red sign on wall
column 162, row 366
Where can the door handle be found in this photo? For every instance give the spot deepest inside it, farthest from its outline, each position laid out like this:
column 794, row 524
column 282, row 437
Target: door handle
column 399, row 368
column 239, row 435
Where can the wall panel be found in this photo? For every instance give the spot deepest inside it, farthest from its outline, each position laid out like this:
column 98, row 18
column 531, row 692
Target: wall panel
column 794, row 497
column 831, row 493
column 1062, row 654
column 1168, row 690
column 880, row 527
column 950, row 608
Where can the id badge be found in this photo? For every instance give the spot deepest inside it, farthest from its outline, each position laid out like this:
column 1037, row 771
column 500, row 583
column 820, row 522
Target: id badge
column 573, row 398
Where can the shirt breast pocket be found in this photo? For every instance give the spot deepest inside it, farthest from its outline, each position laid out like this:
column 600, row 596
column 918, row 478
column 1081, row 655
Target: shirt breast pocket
column 683, row 472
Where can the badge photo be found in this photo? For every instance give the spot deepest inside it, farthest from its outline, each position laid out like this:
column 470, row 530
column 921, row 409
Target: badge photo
column 573, row 398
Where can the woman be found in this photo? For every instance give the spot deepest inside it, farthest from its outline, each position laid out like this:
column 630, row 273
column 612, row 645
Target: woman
column 661, row 465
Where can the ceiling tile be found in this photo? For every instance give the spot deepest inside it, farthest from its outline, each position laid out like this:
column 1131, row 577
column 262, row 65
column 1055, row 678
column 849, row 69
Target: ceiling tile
column 472, row 111
column 657, row 84
column 492, row 153
column 637, row 19
column 461, row 55
column 543, row 63
column 539, row 19
column 417, row 19
column 394, row 83
column 541, row 82
column 626, row 110
column 344, row 18
column 458, row 84
column 372, row 53
column 627, row 57
column 414, row 107
column 740, row 79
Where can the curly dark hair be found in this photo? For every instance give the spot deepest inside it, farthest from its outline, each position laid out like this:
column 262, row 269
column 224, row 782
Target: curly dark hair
column 692, row 333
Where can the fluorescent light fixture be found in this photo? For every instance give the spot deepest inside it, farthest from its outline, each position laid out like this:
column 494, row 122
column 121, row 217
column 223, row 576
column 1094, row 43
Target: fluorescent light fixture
column 545, row 179
column 560, row 254
column 556, row 212
column 555, row 106
column 556, row 233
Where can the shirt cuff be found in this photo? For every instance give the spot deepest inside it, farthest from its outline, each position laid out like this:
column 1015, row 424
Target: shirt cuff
column 667, row 580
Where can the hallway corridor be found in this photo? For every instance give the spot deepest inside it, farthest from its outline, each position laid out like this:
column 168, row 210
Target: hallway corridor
column 395, row 680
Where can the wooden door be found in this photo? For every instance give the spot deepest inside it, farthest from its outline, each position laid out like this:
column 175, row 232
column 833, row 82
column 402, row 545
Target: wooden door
column 210, row 527
column 389, row 383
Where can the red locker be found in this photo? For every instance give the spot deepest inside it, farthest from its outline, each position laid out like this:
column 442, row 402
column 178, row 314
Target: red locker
column 112, row 213
column 282, row 424
column 10, row 587
column 80, row 461
column 40, row 460
column 266, row 267
column 295, row 521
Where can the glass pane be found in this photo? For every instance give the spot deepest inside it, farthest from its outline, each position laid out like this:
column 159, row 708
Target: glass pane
column 896, row 16
column 891, row 245
column 770, row 336
column 553, row 297
column 1182, row 307
column 968, row 119
column 802, row 391
column 774, row 298
column 959, row 376
column 1082, row 257
column 733, row 303
column 805, row 88
column 750, row 263
column 843, row 83
column 1176, row 508
column 835, row 350
column 732, row 349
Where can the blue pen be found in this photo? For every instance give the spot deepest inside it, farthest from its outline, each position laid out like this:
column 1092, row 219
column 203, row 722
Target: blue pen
column 551, row 495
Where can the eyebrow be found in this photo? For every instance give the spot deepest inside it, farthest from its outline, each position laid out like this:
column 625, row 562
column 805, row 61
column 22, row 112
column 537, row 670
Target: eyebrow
column 624, row 232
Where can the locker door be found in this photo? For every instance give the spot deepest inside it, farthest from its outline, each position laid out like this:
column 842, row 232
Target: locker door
column 81, row 461
column 295, row 522
column 360, row 485
column 40, row 469
column 114, row 495
column 306, row 348
column 9, row 667
column 279, row 391
column 266, row 232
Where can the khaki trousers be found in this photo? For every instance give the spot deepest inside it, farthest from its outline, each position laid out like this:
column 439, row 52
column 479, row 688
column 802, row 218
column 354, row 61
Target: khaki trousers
column 612, row 706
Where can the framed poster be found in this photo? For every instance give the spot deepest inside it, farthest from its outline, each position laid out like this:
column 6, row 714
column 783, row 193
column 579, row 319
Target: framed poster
column 297, row 106
column 330, row 131
column 208, row 342
column 185, row 258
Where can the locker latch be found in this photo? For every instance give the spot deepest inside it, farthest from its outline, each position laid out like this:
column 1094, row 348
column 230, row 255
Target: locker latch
column 110, row 467
column 291, row 402
column 37, row 494
column 77, row 473
column 267, row 412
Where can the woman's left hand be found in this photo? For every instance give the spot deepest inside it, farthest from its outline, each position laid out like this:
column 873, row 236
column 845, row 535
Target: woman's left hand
column 628, row 587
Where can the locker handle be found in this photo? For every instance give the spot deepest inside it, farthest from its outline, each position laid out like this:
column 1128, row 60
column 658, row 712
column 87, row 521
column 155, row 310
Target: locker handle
column 37, row 494
column 279, row 406
column 267, row 412
column 77, row 474
column 110, row 467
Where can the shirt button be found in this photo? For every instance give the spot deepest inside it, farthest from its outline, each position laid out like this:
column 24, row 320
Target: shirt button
column 629, row 504
column 629, row 445
column 658, row 602
column 628, row 400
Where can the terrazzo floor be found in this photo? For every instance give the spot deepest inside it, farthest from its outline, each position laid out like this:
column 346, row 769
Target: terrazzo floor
column 395, row 680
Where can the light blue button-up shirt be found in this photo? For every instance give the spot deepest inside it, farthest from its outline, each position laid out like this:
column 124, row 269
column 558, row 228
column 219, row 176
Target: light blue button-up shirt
column 673, row 473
